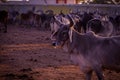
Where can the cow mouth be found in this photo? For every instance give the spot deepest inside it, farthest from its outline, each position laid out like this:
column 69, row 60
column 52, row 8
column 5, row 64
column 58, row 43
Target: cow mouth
column 62, row 45
column 59, row 44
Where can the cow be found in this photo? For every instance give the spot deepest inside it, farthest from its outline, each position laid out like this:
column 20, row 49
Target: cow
column 90, row 51
column 46, row 19
column 27, row 18
column 85, row 19
column 56, row 22
column 38, row 18
column 117, row 20
column 101, row 26
column 13, row 17
column 117, row 24
column 3, row 19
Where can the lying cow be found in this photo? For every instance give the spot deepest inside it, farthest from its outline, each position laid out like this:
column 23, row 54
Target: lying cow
column 89, row 51
column 3, row 19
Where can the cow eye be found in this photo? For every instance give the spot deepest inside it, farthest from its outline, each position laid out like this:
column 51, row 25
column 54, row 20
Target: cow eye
column 64, row 34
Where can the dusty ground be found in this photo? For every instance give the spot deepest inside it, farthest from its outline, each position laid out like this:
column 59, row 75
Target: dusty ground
column 27, row 54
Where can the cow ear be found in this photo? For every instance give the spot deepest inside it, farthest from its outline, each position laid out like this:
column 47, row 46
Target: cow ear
column 71, row 20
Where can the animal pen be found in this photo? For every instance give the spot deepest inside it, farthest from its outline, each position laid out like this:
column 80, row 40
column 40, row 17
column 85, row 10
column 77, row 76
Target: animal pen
column 109, row 9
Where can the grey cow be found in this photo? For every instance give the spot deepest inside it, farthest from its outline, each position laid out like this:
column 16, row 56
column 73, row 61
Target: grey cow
column 89, row 51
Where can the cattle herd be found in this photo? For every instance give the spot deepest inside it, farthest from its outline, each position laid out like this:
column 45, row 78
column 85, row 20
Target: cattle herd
column 93, row 42
column 95, row 21
column 92, row 39
column 3, row 19
column 39, row 19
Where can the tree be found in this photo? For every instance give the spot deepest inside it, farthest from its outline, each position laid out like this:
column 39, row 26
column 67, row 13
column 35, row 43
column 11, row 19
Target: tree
column 3, row 0
column 99, row 1
column 106, row 1
column 116, row 1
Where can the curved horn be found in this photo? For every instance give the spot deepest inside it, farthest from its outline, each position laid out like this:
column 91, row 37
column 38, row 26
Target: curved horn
column 58, row 21
column 71, row 20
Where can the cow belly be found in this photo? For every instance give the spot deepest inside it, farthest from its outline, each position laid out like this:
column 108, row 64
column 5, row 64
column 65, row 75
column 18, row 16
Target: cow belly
column 79, row 60
column 74, row 59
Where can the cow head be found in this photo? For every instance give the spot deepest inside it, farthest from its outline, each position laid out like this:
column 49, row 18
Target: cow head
column 63, row 25
column 62, row 35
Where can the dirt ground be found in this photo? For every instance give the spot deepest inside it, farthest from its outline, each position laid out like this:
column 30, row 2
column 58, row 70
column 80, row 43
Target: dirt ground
column 27, row 54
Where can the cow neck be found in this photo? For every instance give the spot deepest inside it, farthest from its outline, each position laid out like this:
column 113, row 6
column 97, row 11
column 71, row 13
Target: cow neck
column 71, row 31
column 72, row 28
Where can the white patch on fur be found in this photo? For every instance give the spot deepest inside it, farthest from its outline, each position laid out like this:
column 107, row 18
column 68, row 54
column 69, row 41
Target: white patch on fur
column 65, row 21
column 70, row 34
column 54, row 29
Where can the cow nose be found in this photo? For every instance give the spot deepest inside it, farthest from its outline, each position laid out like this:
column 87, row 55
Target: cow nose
column 53, row 44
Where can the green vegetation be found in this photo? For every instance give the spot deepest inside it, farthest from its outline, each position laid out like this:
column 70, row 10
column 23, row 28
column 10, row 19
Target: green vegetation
column 90, row 1
column 106, row 1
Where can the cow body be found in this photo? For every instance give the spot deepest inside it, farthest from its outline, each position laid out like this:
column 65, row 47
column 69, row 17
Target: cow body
column 91, row 52
column 27, row 18
column 100, row 27
column 116, row 23
column 104, row 50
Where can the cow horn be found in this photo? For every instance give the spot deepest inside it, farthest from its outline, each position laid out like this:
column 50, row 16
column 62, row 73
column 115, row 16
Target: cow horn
column 58, row 21
column 72, row 23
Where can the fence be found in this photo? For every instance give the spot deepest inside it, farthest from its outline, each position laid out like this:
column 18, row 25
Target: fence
column 109, row 9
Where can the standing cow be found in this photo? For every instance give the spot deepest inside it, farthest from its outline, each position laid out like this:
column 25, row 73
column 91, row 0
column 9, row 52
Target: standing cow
column 3, row 19
column 89, row 51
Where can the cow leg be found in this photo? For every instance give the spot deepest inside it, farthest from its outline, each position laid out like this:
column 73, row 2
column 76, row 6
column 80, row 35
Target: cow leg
column 88, row 75
column 99, row 73
column 5, row 29
column 5, row 25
